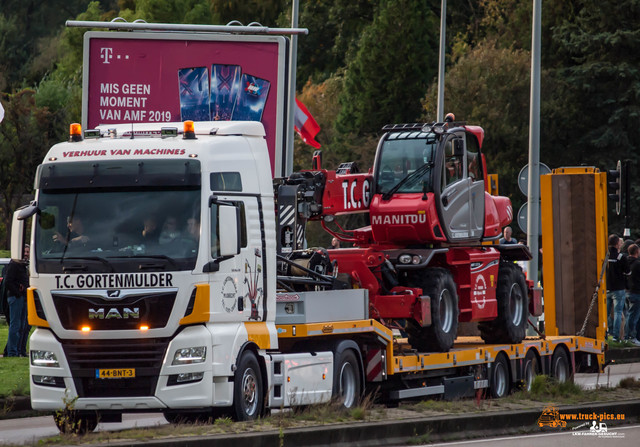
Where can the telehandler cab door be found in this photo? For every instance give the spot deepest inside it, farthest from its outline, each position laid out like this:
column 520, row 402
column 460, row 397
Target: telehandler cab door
column 461, row 199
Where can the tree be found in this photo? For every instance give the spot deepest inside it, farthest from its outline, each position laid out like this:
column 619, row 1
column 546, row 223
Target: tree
column 334, row 27
column 389, row 74
column 24, row 138
column 489, row 87
column 265, row 12
column 27, row 29
column 602, row 83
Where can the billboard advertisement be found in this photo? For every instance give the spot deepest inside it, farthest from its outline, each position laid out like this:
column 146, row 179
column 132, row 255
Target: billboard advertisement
column 168, row 77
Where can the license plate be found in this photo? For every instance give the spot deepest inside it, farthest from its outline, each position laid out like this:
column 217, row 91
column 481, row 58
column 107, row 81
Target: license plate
column 122, row 373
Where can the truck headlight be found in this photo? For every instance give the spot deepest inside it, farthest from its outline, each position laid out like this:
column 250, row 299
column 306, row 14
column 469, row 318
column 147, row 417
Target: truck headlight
column 44, row 358
column 187, row 356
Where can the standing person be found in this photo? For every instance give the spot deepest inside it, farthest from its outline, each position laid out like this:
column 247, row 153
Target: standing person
column 335, row 243
column 507, row 239
column 617, row 267
column 631, row 333
column 17, row 282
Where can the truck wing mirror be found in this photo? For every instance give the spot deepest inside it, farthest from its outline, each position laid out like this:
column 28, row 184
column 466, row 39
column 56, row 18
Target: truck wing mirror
column 229, row 229
column 18, row 225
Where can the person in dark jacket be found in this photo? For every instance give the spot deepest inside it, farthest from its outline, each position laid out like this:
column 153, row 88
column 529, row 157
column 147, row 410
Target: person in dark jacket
column 17, row 283
column 617, row 269
column 631, row 334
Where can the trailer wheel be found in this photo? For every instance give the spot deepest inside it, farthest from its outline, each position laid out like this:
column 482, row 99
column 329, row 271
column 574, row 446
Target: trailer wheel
column 500, row 382
column 74, row 422
column 513, row 307
column 531, row 370
column 347, row 386
column 560, row 368
column 440, row 335
column 248, row 393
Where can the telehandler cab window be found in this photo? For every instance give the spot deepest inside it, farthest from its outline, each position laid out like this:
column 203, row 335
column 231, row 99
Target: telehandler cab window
column 402, row 154
column 473, row 158
column 453, row 165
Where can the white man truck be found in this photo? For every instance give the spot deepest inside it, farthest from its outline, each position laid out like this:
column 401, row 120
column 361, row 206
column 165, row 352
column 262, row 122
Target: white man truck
column 153, row 288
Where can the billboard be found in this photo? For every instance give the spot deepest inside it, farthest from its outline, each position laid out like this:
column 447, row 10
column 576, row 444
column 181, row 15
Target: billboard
column 168, row 77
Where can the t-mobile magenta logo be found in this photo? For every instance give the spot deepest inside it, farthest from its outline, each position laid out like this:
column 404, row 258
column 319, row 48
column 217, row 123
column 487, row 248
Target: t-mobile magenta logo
column 106, row 54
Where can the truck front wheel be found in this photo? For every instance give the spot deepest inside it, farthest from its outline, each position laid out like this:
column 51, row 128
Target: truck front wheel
column 438, row 284
column 74, row 422
column 513, row 307
column 248, row 393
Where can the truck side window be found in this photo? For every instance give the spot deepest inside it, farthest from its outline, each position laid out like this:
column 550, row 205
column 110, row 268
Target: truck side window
column 226, row 181
column 473, row 158
column 215, row 229
column 215, row 232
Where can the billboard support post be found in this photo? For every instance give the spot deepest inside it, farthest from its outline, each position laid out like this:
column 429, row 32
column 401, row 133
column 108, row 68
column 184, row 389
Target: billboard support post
column 293, row 64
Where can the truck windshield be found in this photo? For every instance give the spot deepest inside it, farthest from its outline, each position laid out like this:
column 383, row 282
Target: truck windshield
column 401, row 155
column 119, row 226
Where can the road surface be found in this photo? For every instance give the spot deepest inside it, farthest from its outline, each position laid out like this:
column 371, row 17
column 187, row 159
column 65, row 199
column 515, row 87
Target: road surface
column 28, row 430
column 614, row 437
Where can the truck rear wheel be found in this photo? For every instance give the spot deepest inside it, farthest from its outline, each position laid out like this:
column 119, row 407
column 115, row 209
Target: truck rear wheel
column 500, row 382
column 531, row 370
column 438, row 284
column 347, row 385
column 513, row 308
column 248, row 393
column 560, row 368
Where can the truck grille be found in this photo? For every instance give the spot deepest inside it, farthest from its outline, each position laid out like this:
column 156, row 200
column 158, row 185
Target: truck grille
column 151, row 309
column 85, row 357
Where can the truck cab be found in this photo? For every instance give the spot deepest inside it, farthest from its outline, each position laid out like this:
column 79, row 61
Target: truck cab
column 150, row 271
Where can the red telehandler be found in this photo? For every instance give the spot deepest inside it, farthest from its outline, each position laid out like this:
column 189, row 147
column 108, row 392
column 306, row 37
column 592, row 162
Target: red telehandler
column 427, row 258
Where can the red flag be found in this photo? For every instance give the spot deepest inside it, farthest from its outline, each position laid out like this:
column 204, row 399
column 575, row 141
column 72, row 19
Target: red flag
column 305, row 125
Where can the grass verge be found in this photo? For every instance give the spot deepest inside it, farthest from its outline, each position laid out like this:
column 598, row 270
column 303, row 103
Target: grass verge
column 545, row 392
column 14, row 371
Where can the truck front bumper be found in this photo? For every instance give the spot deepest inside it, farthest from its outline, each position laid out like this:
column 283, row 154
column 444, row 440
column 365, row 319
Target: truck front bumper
column 54, row 386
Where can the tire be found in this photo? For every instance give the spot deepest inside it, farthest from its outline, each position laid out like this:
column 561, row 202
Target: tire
column 73, row 422
column 347, row 380
column 500, row 382
column 437, row 283
column 560, row 367
column 513, row 308
column 531, row 370
column 248, row 390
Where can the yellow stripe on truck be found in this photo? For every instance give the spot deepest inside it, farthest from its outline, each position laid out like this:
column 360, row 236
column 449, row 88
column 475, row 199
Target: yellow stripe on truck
column 32, row 315
column 258, row 333
column 201, row 311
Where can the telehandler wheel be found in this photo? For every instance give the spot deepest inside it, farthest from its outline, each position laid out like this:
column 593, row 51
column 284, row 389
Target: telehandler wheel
column 438, row 284
column 248, row 392
column 513, row 307
column 347, row 386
